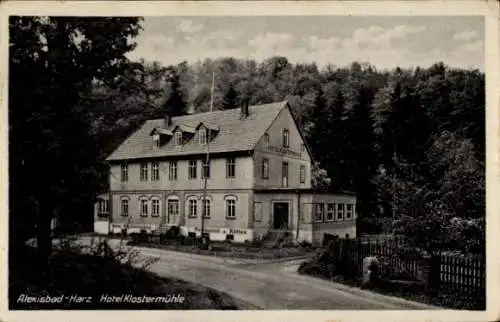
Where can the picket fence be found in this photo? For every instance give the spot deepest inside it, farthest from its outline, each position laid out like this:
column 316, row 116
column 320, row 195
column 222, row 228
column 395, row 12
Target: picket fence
column 453, row 273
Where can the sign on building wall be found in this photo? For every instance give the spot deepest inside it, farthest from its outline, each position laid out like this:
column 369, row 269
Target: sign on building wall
column 283, row 151
column 230, row 231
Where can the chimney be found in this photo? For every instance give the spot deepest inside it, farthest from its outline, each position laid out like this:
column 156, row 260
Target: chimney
column 244, row 108
column 167, row 121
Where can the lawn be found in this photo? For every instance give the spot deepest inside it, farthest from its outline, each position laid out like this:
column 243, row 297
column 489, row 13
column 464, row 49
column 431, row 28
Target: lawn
column 89, row 277
column 235, row 250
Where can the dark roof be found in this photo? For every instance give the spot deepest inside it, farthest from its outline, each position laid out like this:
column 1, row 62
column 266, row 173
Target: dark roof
column 234, row 133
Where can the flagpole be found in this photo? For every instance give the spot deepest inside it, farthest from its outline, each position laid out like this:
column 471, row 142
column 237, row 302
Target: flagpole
column 207, row 160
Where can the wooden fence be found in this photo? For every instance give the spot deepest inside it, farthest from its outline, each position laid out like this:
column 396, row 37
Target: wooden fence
column 450, row 273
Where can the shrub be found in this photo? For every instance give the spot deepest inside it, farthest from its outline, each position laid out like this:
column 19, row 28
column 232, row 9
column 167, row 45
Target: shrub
column 305, row 244
column 315, row 269
column 173, row 233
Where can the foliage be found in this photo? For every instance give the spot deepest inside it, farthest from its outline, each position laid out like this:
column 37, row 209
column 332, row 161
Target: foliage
column 409, row 142
column 54, row 161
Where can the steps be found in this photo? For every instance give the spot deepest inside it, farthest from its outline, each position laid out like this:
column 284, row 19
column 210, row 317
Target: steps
column 274, row 238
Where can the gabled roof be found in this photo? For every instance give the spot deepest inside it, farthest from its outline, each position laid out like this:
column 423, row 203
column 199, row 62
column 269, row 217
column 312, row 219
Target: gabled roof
column 212, row 127
column 160, row 130
column 235, row 133
column 184, row 128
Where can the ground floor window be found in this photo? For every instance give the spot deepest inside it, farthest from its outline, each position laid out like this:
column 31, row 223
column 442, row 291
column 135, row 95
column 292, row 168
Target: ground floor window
column 193, row 208
column 340, row 211
column 144, row 207
column 206, row 208
column 103, row 208
column 231, row 208
column 155, row 207
column 348, row 211
column 124, row 206
column 330, row 212
column 318, row 212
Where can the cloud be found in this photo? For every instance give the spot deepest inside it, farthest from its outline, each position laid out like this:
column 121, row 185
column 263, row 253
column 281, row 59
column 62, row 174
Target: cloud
column 167, row 50
column 465, row 35
column 188, row 27
column 376, row 37
column 153, row 47
column 385, row 48
column 271, row 41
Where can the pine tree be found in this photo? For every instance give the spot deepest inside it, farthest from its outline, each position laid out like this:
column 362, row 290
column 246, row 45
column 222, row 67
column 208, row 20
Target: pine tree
column 230, row 98
column 175, row 104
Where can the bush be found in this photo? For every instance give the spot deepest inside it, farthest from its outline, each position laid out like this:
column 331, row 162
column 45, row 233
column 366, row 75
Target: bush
column 305, row 244
column 315, row 269
column 173, row 233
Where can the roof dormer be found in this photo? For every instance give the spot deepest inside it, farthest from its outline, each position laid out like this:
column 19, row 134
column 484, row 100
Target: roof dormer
column 159, row 137
column 182, row 133
column 206, row 132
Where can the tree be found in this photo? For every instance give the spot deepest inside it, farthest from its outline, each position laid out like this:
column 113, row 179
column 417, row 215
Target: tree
column 175, row 104
column 230, row 98
column 319, row 177
column 432, row 208
column 52, row 158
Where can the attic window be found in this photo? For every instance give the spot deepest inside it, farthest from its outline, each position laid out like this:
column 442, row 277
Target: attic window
column 156, row 141
column 178, row 138
column 203, row 136
column 286, row 138
column 266, row 137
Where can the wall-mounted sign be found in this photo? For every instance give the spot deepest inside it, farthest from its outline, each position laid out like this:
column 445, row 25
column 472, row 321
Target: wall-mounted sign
column 231, row 231
column 283, row 151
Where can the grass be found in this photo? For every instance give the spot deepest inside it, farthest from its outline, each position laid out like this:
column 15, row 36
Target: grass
column 91, row 276
column 234, row 250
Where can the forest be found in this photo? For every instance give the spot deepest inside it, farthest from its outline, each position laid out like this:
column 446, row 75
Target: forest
column 409, row 142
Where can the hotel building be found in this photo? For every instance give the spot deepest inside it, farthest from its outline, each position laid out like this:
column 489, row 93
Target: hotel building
column 258, row 179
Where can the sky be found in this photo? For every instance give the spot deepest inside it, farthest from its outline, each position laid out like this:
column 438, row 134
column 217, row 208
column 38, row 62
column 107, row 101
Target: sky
column 385, row 42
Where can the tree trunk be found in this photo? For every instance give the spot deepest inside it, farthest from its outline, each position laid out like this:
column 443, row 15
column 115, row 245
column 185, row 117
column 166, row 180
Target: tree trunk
column 44, row 238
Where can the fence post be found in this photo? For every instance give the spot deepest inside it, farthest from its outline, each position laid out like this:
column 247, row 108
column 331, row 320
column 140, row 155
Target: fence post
column 432, row 273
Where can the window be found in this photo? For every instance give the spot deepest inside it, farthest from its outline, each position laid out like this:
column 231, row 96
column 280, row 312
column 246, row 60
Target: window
column 144, row 207
column 231, row 208
column 173, row 211
column 193, row 208
column 124, row 172
column 172, row 170
column 302, row 147
column 340, row 211
column 178, row 138
column 286, row 138
column 330, row 212
column 230, row 167
column 266, row 137
column 302, row 174
column 206, row 169
column 318, row 212
column 124, row 207
column 155, row 171
column 265, row 168
column 156, row 141
column 144, row 172
column 206, row 208
column 192, row 169
column 203, row 136
column 155, row 208
column 103, row 208
column 284, row 174
column 348, row 211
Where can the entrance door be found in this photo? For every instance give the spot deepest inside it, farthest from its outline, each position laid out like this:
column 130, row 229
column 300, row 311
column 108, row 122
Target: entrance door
column 280, row 215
